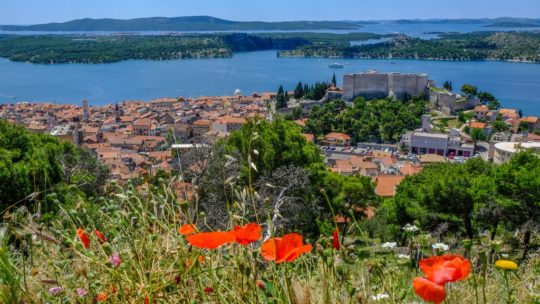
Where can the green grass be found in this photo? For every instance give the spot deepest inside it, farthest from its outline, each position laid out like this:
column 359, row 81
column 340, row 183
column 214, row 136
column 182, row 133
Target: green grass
column 158, row 264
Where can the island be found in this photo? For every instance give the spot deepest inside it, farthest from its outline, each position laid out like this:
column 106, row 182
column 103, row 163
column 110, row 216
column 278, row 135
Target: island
column 508, row 46
column 93, row 48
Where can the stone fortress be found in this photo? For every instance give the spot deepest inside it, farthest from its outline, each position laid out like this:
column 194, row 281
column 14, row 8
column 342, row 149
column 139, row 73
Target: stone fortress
column 375, row 85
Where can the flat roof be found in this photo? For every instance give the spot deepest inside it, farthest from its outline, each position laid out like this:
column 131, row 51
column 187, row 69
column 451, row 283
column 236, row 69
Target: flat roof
column 432, row 135
column 513, row 147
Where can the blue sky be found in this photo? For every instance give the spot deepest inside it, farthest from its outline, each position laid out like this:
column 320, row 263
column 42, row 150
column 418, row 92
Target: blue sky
column 40, row 11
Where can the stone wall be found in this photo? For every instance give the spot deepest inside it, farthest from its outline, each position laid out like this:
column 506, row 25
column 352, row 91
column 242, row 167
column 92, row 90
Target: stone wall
column 372, row 85
column 444, row 101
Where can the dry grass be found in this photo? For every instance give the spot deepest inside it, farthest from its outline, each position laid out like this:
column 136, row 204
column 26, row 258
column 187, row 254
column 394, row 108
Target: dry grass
column 158, row 266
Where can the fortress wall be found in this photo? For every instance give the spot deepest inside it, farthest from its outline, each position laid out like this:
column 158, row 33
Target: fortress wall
column 375, row 85
column 348, row 86
column 407, row 84
column 421, row 84
column 446, row 102
column 371, row 86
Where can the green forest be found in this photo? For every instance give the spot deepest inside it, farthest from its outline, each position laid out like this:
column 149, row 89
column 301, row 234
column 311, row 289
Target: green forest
column 103, row 49
column 450, row 46
column 375, row 120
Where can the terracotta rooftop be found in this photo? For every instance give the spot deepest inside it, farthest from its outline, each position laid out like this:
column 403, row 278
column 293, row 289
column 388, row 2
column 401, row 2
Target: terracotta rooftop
column 477, row 125
column 309, row 137
column 146, row 122
column 337, row 135
column 481, row 108
column 530, row 119
column 386, row 185
column 202, row 123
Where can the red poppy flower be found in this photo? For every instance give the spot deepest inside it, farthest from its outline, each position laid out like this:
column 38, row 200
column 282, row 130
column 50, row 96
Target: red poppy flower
column 101, row 238
column 210, row 240
column 428, row 290
column 208, row 290
column 85, row 239
column 187, row 229
column 247, row 234
column 446, row 268
column 102, row 297
column 335, row 242
column 261, row 285
column 284, row 249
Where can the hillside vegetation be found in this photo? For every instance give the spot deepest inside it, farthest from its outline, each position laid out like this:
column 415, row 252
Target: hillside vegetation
column 190, row 23
column 261, row 226
column 472, row 46
column 104, row 49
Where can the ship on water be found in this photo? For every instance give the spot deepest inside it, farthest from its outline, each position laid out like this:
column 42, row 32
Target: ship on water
column 336, row 66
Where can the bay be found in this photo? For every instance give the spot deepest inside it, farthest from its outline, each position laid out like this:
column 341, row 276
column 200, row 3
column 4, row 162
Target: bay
column 515, row 84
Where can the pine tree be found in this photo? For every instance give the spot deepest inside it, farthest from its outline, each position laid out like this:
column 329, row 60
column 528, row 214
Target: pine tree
column 334, row 83
column 299, row 91
column 448, row 85
column 281, row 101
column 280, row 90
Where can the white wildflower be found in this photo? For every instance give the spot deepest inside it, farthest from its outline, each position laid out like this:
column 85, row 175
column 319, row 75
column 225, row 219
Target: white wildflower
column 389, row 245
column 404, row 256
column 410, row 228
column 380, row 296
column 440, row 246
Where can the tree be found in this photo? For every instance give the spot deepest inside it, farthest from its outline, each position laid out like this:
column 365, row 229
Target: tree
column 33, row 166
column 499, row 126
column 494, row 104
column 281, row 100
column 523, row 126
column 334, row 82
column 444, row 194
column 299, row 91
column 469, row 90
column 278, row 143
column 518, row 182
column 447, row 85
column 477, row 135
column 486, row 96
column 297, row 113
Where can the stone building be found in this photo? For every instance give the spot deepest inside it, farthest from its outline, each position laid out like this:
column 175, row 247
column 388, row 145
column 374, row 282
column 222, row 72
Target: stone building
column 374, row 85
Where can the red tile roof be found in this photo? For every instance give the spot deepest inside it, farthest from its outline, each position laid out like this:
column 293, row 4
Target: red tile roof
column 386, row 184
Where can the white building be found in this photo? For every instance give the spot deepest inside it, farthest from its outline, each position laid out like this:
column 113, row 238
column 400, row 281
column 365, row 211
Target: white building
column 505, row 150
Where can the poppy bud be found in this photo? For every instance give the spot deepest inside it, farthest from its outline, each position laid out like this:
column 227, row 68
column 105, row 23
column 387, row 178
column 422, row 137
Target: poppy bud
column 467, row 244
column 261, row 285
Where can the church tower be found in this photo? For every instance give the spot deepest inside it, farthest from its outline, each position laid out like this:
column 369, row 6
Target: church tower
column 86, row 110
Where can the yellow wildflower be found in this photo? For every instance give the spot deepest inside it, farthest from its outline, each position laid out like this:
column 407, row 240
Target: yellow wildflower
column 506, row 265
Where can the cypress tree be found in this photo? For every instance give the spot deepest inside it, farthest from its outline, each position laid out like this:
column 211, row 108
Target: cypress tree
column 299, row 91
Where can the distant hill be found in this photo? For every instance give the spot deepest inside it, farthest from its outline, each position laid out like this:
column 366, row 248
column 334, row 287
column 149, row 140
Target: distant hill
column 512, row 24
column 193, row 23
column 439, row 21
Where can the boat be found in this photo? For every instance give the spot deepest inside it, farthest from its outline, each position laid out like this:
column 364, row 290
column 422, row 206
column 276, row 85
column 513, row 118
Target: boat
column 336, row 66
